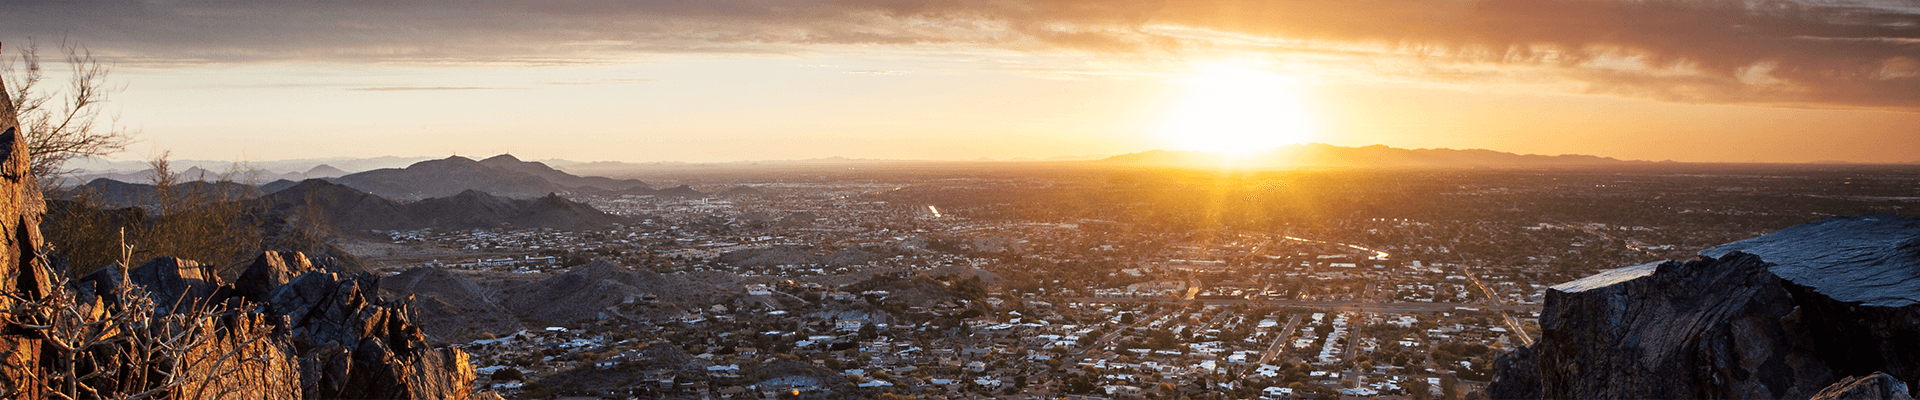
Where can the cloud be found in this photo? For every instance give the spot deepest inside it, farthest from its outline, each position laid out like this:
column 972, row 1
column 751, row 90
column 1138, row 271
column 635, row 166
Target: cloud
column 873, row 72
column 1794, row 54
column 417, row 89
column 1833, row 53
column 604, row 82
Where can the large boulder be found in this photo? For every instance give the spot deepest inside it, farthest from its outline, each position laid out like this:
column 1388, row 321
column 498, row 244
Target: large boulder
column 1784, row 315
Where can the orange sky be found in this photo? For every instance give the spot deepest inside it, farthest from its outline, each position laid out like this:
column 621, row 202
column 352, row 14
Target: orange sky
column 957, row 79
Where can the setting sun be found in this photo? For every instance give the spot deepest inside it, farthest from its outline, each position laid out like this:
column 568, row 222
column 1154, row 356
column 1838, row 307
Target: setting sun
column 1237, row 109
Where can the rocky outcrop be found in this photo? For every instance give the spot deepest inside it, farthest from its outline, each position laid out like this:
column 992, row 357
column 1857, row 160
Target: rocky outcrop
column 23, row 275
column 176, row 284
column 271, row 270
column 1786, row 315
column 171, row 329
column 1878, row 386
column 353, row 345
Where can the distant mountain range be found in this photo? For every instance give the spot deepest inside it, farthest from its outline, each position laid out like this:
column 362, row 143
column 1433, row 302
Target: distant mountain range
column 275, row 167
column 569, row 176
column 1317, row 155
column 451, row 193
column 117, row 194
column 501, row 175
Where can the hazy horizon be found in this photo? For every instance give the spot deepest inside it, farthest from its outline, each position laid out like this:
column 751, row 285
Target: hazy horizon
column 783, row 80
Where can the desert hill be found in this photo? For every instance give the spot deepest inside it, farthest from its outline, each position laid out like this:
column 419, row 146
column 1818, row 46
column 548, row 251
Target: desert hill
column 509, row 163
column 114, row 193
column 448, row 177
column 324, row 171
column 352, row 210
column 501, row 175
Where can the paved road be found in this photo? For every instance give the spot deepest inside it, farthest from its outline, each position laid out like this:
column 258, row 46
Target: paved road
column 1512, row 324
column 1273, row 351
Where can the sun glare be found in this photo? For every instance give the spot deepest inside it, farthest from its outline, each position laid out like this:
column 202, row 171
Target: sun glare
column 1233, row 108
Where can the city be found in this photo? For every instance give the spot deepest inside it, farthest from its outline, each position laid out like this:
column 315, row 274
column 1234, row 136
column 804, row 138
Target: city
column 947, row 286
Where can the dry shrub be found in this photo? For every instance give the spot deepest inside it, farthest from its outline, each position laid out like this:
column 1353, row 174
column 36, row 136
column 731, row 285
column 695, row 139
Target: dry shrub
column 124, row 349
column 190, row 221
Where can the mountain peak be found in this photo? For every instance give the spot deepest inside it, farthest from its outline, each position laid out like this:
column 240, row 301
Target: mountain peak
column 503, row 158
column 324, row 171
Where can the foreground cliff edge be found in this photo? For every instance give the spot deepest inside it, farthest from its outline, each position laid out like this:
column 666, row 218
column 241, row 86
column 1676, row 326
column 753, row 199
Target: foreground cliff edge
column 1829, row 309
column 287, row 329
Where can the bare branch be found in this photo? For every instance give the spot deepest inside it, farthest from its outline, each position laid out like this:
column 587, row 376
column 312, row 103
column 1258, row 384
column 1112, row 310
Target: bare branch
column 56, row 136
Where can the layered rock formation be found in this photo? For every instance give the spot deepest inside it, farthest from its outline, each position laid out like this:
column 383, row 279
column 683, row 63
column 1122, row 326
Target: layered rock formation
column 1792, row 314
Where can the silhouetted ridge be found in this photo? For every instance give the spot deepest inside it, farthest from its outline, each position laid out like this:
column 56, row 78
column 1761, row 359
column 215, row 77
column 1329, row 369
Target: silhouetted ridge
column 680, row 191
column 356, row 211
column 341, row 206
column 324, row 171
column 501, row 175
column 113, row 193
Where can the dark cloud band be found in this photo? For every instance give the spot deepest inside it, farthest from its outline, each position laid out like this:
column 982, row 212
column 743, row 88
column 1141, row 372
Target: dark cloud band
column 1830, row 54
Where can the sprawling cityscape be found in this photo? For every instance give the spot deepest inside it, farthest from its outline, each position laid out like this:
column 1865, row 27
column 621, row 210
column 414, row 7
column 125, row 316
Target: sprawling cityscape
column 960, row 199
column 995, row 282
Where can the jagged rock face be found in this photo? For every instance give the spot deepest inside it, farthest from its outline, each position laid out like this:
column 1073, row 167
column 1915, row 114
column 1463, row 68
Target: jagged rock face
column 269, row 271
column 176, row 284
column 352, row 345
column 1878, row 386
column 1734, row 324
column 22, row 274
